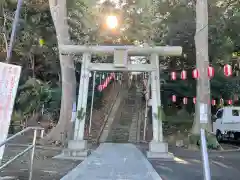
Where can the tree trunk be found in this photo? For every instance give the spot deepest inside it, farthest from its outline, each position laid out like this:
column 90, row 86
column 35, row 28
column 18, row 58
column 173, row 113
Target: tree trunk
column 59, row 15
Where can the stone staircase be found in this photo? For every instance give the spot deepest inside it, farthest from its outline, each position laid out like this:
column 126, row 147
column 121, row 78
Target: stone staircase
column 134, row 133
column 126, row 120
column 99, row 115
column 109, row 119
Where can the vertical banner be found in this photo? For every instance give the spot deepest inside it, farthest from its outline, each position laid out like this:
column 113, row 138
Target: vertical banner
column 9, row 78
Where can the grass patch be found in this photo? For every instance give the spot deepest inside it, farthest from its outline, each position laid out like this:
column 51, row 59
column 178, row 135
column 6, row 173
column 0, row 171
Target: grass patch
column 212, row 142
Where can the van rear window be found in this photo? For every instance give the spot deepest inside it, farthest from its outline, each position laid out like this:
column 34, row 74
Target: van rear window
column 235, row 112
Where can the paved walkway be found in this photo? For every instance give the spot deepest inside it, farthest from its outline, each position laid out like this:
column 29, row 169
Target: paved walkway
column 114, row 162
column 188, row 165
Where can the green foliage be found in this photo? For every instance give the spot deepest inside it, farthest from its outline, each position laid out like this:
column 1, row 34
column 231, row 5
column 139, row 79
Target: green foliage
column 212, row 142
column 34, row 94
column 17, row 117
column 160, row 115
column 177, row 27
column 39, row 84
column 160, row 23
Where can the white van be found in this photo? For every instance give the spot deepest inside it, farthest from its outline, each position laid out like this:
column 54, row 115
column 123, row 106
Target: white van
column 226, row 123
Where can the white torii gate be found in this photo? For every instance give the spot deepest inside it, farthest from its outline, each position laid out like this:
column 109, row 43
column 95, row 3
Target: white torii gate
column 77, row 148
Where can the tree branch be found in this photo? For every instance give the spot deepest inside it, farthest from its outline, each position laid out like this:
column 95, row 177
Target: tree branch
column 4, row 30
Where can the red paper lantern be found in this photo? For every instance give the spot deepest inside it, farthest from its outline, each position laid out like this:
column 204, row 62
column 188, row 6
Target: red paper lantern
column 195, row 74
column 174, row 98
column 229, row 101
column 184, row 100
column 112, row 75
column 227, row 70
column 100, row 88
column 173, row 75
column 194, row 100
column 183, row 75
column 210, row 71
column 213, row 102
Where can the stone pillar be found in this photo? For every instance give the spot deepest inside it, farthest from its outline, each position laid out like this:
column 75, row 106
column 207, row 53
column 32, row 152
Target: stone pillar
column 77, row 148
column 154, row 104
column 82, row 98
column 157, row 148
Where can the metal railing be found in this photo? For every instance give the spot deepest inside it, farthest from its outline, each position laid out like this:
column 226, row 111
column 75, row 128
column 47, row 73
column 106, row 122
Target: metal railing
column 30, row 147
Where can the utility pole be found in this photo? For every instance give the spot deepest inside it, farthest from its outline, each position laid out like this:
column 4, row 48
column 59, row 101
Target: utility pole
column 202, row 108
column 203, row 85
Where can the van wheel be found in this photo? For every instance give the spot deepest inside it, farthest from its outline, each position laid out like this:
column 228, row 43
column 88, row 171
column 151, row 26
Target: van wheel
column 219, row 136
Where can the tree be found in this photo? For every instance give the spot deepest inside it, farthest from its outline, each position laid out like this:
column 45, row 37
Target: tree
column 38, row 62
column 59, row 15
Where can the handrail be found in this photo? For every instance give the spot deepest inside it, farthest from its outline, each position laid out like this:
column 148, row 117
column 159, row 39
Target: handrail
column 30, row 147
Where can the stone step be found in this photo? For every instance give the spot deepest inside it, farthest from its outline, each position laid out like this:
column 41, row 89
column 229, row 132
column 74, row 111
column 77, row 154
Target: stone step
column 74, row 154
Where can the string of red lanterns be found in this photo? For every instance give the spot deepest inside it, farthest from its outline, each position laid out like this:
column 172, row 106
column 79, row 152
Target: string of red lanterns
column 227, row 69
column 105, row 83
column 194, row 100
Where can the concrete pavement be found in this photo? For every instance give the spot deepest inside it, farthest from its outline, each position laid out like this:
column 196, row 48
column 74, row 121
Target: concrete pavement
column 187, row 165
column 123, row 161
column 113, row 161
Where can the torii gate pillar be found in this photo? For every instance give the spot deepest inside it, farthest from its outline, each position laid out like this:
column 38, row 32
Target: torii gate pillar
column 157, row 147
column 77, row 148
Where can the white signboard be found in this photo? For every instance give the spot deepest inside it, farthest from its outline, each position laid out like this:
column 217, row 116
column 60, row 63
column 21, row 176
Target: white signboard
column 9, row 78
column 120, row 57
column 203, row 113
